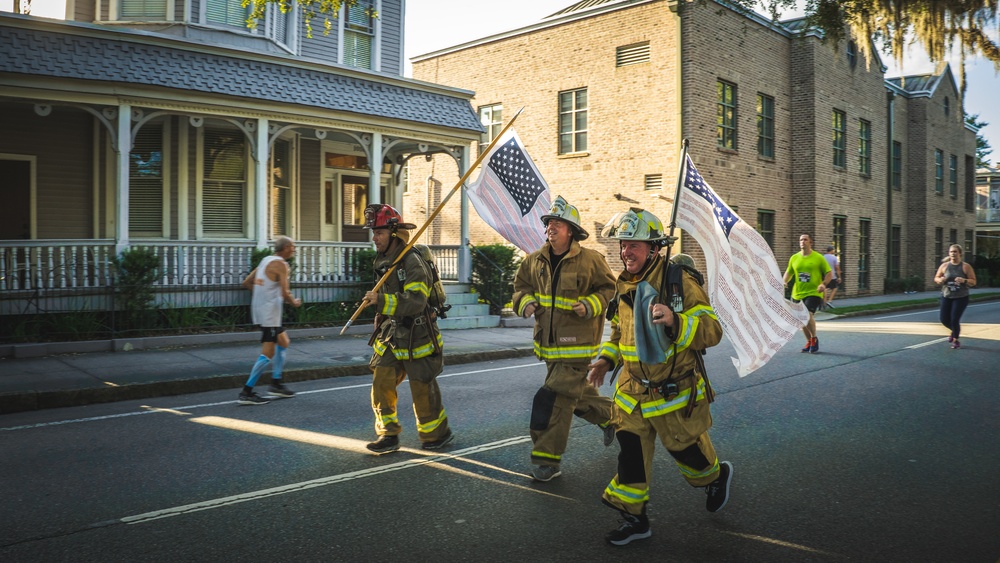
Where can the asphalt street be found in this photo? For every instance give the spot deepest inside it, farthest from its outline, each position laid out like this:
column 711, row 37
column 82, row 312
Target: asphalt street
column 882, row 447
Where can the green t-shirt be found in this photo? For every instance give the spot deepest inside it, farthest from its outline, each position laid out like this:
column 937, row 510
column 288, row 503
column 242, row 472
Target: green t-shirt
column 808, row 272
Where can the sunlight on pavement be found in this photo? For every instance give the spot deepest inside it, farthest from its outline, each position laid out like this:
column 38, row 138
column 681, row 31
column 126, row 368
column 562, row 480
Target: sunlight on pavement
column 358, row 446
column 164, row 411
column 778, row 542
column 969, row 330
column 284, row 433
column 431, row 459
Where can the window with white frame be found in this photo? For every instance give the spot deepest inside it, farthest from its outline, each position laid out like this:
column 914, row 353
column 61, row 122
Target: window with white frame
column 227, row 13
column 155, row 10
column 281, row 188
column 224, row 183
column 491, row 117
column 145, row 179
column 359, row 34
column 573, row 121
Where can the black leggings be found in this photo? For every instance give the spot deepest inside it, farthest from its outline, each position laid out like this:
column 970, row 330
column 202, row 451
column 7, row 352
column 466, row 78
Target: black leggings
column 951, row 313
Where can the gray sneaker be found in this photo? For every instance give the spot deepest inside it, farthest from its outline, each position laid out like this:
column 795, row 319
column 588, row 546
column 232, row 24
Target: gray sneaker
column 278, row 389
column 609, row 434
column 252, row 398
column 545, row 473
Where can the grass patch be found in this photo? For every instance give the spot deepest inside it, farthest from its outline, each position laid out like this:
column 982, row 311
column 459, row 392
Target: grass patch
column 905, row 304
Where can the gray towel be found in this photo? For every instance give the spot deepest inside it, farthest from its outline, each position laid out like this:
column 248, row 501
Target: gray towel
column 651, row 341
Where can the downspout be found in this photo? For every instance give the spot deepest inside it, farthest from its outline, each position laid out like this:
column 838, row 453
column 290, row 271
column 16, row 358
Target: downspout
column 889, row 100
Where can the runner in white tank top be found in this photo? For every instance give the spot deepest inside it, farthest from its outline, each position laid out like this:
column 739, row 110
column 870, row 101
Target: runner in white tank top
column 269, row 285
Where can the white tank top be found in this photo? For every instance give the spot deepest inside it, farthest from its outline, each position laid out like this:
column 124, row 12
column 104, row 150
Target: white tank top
column 266, row 300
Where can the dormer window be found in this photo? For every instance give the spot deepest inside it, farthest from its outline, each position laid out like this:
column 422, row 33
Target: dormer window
column 227, row 13
column 852, row 54
column 150, row 10
column 359, row 34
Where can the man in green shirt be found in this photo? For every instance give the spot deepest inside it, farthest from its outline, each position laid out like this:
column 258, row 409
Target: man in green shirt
column 811, row 273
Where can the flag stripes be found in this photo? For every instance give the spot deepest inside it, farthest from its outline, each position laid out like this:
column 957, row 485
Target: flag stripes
column 744, row 283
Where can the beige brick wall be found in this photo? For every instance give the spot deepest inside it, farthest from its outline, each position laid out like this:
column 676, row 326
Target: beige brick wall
column 633, row 128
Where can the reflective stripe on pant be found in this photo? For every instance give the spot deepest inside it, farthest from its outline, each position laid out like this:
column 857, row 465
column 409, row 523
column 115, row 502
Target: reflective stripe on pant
column 432, row 421
column 566, row 392
column 685, row 439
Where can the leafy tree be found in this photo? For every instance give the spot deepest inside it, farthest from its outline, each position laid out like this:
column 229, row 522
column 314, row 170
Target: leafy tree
column 938, row 25
column 983, row 148
column 328, row 10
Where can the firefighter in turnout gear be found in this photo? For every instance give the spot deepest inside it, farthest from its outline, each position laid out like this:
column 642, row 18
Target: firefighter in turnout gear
column 665, row 398
column 407, row 341
column 567, row 288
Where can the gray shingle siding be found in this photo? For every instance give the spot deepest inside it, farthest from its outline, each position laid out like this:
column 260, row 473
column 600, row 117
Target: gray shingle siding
column 80, row 57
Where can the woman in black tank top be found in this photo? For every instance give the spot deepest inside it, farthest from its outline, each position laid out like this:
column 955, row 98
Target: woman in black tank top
column 955, row 278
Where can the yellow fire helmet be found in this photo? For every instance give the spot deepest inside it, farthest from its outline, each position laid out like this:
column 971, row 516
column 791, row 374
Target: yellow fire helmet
column 637, row 224
column 563, row 211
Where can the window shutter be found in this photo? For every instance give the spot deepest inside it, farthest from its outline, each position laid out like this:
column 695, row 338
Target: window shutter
column 226, row 12
column 151, row 9
column 632, row 54
column 224, row 201
column 145, row 197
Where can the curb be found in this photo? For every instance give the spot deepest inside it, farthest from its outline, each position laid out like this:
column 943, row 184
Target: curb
column 38, row 400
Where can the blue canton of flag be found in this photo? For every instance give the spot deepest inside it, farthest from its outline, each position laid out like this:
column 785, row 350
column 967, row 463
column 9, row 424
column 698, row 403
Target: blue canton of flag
column 514, row 172
column 725, row 216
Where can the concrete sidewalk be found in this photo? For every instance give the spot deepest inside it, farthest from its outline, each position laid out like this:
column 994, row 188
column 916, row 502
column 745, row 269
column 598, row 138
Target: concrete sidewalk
column 69, row 375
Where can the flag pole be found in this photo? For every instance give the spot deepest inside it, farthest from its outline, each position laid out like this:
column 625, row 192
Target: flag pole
column 680, row 182
column 431, row 217
column 677, row 194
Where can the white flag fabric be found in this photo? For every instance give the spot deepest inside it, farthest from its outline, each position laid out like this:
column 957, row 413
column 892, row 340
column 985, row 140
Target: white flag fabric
column 510, row 194
column 744, row 282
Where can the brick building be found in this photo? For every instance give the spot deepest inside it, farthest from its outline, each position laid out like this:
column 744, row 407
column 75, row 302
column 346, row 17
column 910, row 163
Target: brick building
column 798, row 134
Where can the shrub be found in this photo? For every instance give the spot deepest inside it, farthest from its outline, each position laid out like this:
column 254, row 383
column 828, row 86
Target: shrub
column 493, row 269
column 136, row 268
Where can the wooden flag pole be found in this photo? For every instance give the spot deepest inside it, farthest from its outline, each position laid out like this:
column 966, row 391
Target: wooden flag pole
column 420, row 231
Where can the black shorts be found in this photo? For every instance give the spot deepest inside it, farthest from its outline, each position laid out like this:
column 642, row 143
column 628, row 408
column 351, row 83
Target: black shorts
column 833, row 284
column 812, row 302
column 270, row 333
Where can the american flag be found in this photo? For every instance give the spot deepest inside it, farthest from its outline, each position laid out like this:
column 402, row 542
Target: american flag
column 510, row 194
column 744, row 282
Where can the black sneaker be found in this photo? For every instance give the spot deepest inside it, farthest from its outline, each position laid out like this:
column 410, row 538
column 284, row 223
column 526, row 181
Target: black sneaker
column 718, row 490
column 438, row 444
column 252, row 398
column 278, row 389
column 609, row 435
column 632, row 528
column 384, row 445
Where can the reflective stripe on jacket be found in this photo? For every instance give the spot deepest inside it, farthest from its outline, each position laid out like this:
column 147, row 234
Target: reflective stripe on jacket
column 582, row 275
column 405, row 328
column 696, row 328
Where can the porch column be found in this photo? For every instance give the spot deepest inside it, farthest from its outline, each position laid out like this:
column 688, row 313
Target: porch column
column 123, row 150
column 464, row 254
column 375, row 172
column 260, row 199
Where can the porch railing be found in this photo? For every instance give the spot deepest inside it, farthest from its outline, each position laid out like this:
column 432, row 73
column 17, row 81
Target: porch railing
column 71, row 264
